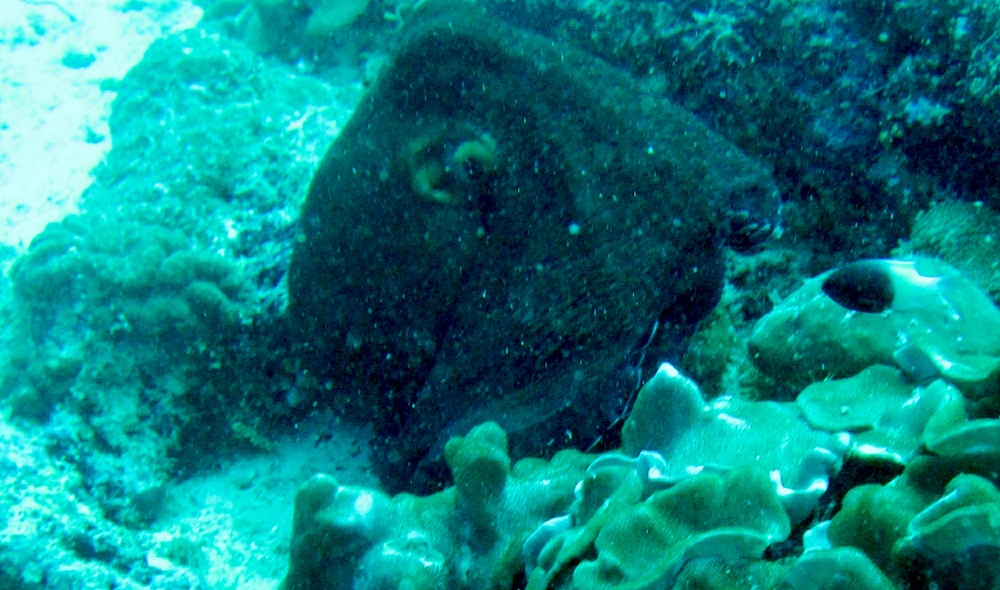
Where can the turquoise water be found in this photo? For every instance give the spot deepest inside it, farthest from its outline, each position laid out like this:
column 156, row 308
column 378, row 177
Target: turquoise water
column 545, row 294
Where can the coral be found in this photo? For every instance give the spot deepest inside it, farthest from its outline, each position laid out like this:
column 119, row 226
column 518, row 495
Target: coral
column 134, row 315
column 699, row 518
column 290, row 26
column 965, row 516
column 709, row 573
column 885, row 413
column 138, row 281
column 714, row 36
column 467, row 536
column 575, row 518
column 874, row 517
column 694, row 498
column 856, row 403
column 951, row 434
column 841, row 568
column 688, row 435
column 916, row 526
column 939, row 324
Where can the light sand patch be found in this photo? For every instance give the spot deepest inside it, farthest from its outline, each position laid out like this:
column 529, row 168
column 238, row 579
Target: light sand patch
column 53, row 113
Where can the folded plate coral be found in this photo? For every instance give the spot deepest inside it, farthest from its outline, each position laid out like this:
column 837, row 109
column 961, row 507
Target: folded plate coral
column 613, row 520
column 884, row 412
column 933, row 526
column 496, row 237
column 635, row 542
column 673, row 425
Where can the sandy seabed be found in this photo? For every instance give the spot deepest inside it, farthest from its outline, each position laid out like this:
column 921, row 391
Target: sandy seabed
column 53, row 113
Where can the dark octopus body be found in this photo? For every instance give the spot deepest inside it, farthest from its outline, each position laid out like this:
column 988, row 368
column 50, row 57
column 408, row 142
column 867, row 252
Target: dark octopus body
column 497, row 231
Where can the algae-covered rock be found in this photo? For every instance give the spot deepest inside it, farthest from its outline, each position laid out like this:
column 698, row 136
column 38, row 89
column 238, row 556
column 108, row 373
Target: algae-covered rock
column 291, row 28
column 962, row 234
column 495, row 237
column 930, row 321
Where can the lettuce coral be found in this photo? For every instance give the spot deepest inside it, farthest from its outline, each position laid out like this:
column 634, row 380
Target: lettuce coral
column 884, row 412
column 840, row 568
column 721, row 516
column 912, row 528
column 690, row 435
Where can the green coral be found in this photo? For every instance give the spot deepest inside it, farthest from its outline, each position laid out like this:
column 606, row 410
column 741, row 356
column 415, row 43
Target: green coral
column 480, row 466
column 914, row 524
column 885, row 413
column 939, row 324
column 467, row 536
column 135, row 280
column 840, row 568
column 952, row 434
column 689, row 435
column 132, row 317
column 856, row 403
column 478, row 533
column 942, row 509
column 723, row 516
column 708, row 574
column 967, row 514
column 874, row 518
column 701, row 488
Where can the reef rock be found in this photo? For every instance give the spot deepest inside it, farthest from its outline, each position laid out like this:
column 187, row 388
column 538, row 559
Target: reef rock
column 497, row 236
